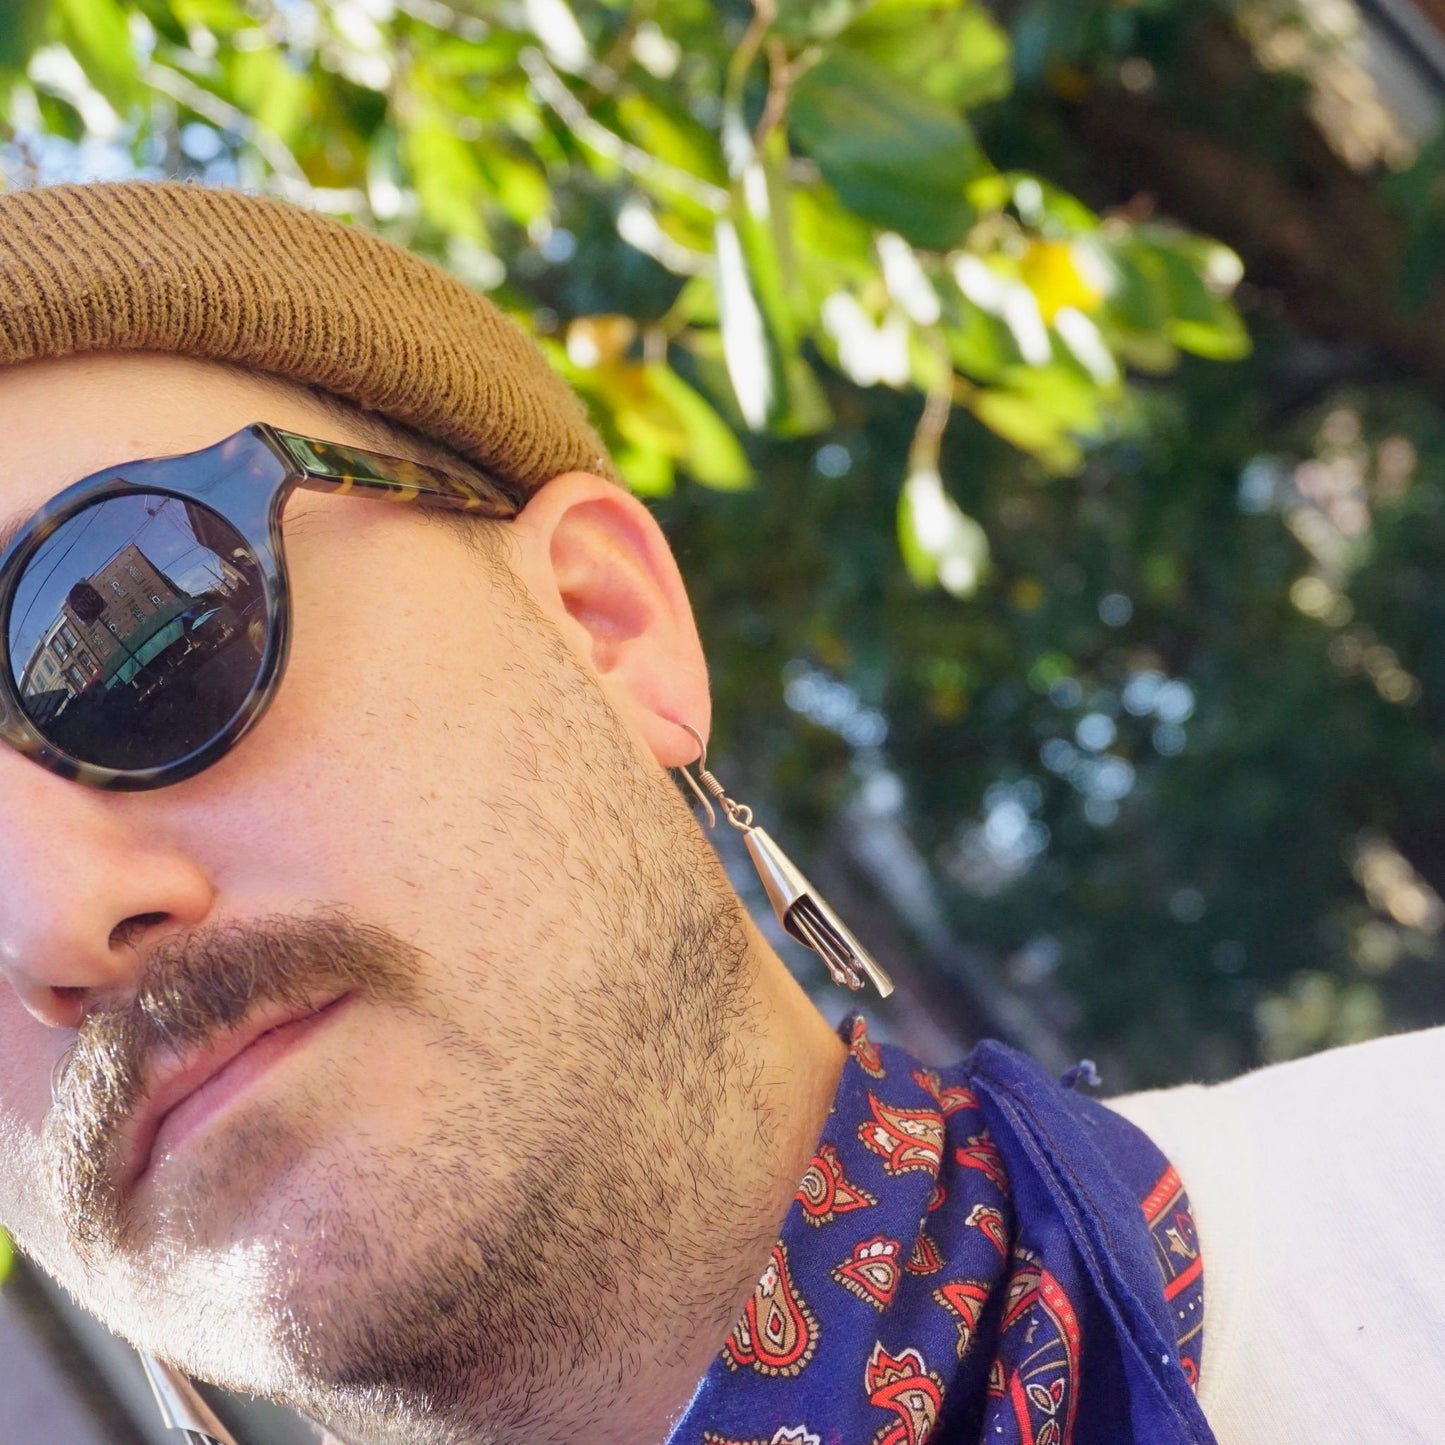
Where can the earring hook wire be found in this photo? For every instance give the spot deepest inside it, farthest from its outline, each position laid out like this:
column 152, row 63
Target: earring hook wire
column 707, row 787
column 692, row 783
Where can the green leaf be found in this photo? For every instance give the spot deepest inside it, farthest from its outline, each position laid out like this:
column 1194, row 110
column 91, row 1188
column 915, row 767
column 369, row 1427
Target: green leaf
column 1202, row 321
column 808, row 410
column 647, row 470
column 754, row 359
column 816, row 19
column 222, row 16
column 981, row 345
column 662, row 126
column 1189, row 298
column 838, row 244
column 714, row 456
column 1139, row 295
column 518, row 185
column 941, row 544
column 98, row 34
column 22, row 28
column 1019, row 418
column 1224, row 337
column 957, row 54
column 271, row 88
column 774, row 387
column 449, row 183
column 7, row 1256
column 60, row 117
column 896, row 158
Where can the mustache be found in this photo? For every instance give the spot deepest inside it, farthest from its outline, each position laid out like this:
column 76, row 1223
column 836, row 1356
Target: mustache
column 195, row 987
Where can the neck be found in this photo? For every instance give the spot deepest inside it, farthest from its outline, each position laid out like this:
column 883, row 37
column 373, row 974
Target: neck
column 696, row 1213
column 706, row 1266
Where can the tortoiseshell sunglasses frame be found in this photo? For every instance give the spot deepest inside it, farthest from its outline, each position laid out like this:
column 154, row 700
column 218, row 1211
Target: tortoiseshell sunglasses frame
column 246, row 480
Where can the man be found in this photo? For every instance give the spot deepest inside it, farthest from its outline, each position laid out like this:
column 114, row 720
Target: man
column 381, row 1033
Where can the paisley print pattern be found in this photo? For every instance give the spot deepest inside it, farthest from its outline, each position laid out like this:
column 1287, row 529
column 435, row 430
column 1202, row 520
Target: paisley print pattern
column 909, row 1389
column 871, row 1272
column 966, row 1249
column 778, row 1332
column 965, row 1298
column 785, row 1435
column 904, row 1139
column 825, row 1193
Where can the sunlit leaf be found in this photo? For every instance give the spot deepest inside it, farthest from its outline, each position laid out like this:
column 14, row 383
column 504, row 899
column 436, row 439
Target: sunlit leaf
column 941, row 544
column 7, row 1256
column 1019, row 419
column 22, row 28
column 555, row 25
column 981, row 345
column 272, row 88
column 896, row 158
column 520, row 188
column 649, row 471
column 448, row 181
column 816, row 19
column 664, row 129
column 713, row 454
column 954, row 53
column 1223, row 337
column 753, row 358
column 222, row 16
column 98, row 34
column 774, row 387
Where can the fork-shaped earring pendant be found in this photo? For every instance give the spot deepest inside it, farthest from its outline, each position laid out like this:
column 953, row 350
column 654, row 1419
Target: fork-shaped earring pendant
column 799, row 906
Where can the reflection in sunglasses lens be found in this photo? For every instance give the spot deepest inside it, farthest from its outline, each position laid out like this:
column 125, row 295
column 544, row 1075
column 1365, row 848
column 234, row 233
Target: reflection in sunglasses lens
column 137, row 630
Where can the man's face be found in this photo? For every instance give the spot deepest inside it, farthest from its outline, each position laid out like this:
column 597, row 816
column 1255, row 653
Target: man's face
column 447, row 858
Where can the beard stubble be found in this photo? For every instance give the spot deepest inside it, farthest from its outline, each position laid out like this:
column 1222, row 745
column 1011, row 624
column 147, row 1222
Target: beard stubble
column 473, row 1309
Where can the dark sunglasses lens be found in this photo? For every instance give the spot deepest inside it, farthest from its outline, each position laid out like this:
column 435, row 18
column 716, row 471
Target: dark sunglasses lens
column 137, row 631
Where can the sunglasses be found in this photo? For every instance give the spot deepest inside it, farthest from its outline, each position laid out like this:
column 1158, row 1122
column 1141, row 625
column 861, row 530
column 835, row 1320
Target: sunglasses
column 144, row 611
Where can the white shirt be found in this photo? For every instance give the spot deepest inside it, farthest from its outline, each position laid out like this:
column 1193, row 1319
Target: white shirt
column 1318, row 1189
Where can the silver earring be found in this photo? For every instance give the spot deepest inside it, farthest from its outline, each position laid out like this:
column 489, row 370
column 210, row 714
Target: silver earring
column 182, row 1407
column 800, row 909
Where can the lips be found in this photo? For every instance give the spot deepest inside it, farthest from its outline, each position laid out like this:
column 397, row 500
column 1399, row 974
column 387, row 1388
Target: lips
column 176, row 1081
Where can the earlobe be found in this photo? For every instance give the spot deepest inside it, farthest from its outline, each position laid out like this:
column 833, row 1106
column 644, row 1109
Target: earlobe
column 597, row 561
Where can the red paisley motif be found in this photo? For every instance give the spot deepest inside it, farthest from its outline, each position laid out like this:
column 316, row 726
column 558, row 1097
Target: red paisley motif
column 981, row 1153
column 778, row 1333
column 991, row 1221
column 951, row 1098
column 865, row 1051
column 904, row 1385
column 825, row 1193
column 905, row 1139
column 1044, row 1409
column 966, row 1299
column 925, row 1258
column 871, row 1271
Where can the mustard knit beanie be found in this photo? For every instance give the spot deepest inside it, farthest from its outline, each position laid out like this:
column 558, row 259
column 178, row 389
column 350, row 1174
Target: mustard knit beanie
column 168, row 266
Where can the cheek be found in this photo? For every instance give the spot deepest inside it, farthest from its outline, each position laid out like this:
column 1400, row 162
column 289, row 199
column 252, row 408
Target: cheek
column 371, row 779
column 28, row 1054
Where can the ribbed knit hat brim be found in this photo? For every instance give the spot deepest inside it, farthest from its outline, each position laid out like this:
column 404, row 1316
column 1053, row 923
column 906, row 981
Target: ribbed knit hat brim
column 176, row 267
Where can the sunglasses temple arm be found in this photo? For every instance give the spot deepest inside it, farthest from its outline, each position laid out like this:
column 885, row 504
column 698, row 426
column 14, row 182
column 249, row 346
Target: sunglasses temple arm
column 182, row 1407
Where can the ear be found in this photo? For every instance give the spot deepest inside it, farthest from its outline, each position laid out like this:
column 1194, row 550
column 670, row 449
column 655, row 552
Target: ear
column 595, row 560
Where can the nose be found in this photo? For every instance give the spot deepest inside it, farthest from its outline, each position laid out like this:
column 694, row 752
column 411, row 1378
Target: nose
column 86, row 877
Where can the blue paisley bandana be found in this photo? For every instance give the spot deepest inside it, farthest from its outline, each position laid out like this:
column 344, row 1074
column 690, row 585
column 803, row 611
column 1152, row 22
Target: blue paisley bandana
column 974, row 1255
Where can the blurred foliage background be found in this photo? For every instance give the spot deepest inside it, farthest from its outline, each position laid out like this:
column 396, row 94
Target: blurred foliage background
column 1042, row 399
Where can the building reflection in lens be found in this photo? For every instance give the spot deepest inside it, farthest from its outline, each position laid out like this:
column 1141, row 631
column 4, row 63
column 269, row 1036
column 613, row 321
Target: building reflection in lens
column 152, row 651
